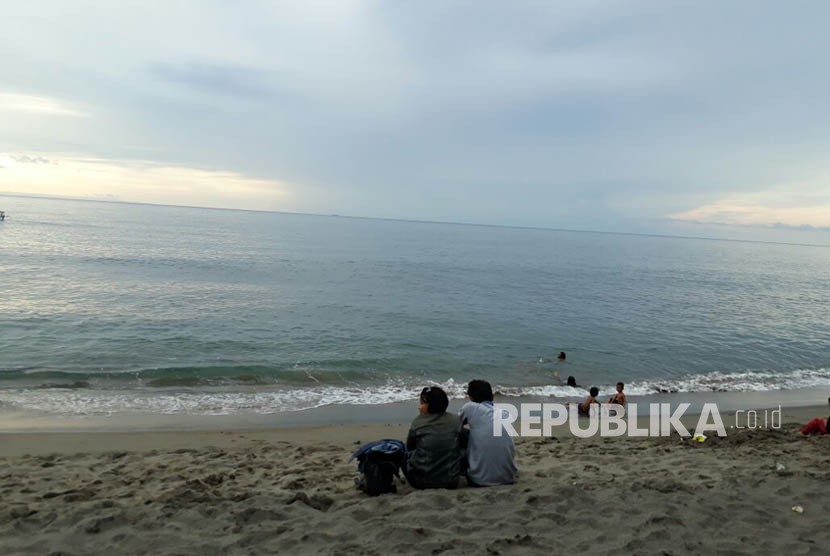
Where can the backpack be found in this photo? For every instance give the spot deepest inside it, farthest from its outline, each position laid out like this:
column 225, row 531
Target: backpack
column 379, row 462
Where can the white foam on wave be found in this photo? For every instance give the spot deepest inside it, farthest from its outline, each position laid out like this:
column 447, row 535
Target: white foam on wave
column 275, row 400
column 215, row 402
column 741, row 381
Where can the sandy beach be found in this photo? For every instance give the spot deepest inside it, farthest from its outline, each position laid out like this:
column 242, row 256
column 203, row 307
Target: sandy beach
column 292, row 491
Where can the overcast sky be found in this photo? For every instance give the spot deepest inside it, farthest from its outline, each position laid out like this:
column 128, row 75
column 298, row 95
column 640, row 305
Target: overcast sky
column 626, row 116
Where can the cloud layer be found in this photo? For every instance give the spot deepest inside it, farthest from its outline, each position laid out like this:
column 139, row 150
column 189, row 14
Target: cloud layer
column 592, row 115
column 138, row 181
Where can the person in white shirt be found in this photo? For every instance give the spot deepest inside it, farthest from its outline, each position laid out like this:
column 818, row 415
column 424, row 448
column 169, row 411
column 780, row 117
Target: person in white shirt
column 490, row 458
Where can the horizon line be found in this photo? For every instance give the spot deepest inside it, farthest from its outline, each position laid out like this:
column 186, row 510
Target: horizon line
column 410, row 220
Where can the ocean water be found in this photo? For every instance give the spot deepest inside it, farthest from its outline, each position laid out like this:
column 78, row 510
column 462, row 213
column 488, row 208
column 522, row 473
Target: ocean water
column 118, row 308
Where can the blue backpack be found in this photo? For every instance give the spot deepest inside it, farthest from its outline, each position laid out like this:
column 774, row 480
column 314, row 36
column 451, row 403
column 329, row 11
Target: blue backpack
column 378, row 463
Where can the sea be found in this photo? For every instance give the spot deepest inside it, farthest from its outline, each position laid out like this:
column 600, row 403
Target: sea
column 113, row 309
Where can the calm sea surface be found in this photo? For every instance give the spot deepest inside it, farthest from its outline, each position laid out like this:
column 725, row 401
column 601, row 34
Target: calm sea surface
column 108, row 308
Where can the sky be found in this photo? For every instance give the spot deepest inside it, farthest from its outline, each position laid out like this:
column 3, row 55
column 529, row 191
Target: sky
column 686, row 118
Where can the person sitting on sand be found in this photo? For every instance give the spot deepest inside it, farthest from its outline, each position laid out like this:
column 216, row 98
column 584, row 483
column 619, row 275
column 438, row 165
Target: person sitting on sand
column 817, row 426
column 619, row 397
column 433, row 443
column 489, row 457
column 584, row 408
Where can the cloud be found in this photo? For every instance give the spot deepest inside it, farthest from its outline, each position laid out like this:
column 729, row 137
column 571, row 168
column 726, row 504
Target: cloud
column 13, row 102
column 795, row 205
column 139, row 181
column 26, row 159
column 214, row 78
column 591, row 115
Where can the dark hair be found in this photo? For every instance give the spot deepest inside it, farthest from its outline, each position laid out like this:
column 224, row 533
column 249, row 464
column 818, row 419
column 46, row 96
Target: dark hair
column 571, row 381
column 480, row 391
column 594, row 391
column 621, row 384
column 435, row 398
column 561, row 355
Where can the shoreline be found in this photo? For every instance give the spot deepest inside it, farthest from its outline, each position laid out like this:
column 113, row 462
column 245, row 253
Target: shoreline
column 393, row 423
column 22, row 422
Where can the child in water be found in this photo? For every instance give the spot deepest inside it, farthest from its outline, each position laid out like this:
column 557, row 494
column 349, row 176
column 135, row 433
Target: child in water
column 619, row 397
column 584, row 408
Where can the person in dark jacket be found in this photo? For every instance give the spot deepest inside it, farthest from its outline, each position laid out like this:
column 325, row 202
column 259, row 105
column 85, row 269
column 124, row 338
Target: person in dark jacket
column 433, row 443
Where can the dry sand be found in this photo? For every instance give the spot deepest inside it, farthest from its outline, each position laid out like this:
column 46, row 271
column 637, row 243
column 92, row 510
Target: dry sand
column 291, row 491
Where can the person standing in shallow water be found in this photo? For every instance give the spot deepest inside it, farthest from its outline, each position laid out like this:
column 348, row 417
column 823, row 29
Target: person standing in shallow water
column 559, row 360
